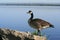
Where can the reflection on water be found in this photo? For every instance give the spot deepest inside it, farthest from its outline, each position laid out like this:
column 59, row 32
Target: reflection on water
column 15, row 17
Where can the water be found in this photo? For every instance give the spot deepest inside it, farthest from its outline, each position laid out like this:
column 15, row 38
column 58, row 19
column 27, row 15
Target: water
column 15, row 18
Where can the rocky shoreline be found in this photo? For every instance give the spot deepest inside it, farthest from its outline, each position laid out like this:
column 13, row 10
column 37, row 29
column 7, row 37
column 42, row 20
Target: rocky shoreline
column 7, row 34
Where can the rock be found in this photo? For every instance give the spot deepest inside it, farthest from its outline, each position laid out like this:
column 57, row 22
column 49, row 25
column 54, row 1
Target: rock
column 40, row 38
column 7, row 34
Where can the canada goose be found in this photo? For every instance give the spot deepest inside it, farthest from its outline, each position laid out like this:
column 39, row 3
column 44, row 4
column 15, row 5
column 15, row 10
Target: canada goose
column 38, row 24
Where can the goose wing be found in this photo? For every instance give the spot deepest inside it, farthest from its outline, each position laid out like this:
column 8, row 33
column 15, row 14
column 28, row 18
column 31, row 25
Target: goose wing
column 40, row 22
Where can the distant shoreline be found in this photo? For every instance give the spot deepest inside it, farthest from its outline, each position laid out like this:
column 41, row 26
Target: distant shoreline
column 25, row 4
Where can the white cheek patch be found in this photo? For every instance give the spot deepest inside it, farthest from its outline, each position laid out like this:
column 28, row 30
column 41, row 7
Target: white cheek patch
column 31, row 12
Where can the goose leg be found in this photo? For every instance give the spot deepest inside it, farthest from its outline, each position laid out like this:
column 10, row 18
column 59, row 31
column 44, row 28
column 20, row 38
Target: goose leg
column 39, row 33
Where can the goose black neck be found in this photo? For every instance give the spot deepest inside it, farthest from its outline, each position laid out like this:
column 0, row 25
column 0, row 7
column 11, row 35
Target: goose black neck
column 31, row 16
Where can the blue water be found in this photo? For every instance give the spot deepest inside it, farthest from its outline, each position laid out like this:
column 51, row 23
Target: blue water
column 15, row 18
